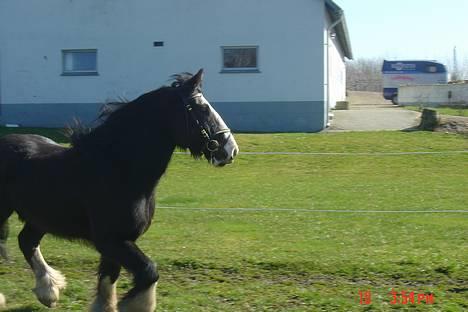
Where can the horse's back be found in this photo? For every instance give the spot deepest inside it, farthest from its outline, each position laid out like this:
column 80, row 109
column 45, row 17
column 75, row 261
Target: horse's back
column 19, row 155
column 51, row 177
column 26, row 146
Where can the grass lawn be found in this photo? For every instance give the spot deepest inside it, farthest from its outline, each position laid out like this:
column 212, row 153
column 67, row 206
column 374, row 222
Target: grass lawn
column 292, row 258
column 444, row 110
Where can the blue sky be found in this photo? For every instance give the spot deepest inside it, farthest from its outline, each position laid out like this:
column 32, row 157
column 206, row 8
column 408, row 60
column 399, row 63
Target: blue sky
column 408, row 29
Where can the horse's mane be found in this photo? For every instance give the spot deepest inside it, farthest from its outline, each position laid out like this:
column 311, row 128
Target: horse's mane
column 77, row 130
column 180, row 79
column 113, row 110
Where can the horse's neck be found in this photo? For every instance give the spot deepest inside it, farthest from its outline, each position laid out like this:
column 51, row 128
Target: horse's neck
column 132, row 160
column 146, row 162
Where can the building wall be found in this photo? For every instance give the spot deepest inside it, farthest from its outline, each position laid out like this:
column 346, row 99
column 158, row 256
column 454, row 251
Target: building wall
column 287, row 94
column 433, row 95
column 335, row 67
column 337, row 74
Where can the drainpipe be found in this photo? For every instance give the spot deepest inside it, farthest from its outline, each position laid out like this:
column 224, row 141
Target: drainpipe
column 329, row 29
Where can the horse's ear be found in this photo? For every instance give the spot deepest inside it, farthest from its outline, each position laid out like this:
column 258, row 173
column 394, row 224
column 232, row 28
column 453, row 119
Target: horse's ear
column 196, row 81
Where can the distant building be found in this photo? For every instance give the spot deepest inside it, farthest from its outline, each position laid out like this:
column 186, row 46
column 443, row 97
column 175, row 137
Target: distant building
column 271, row 65
column 396, row 74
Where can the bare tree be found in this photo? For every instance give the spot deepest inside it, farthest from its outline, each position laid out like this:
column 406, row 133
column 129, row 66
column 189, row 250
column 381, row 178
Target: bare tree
column 457, row 68
column 464, row 69
column 364, row 74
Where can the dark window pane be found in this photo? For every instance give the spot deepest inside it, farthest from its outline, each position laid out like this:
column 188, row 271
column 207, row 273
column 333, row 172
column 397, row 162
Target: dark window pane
column 80, row 61
column 240, row 57
column 84, row 61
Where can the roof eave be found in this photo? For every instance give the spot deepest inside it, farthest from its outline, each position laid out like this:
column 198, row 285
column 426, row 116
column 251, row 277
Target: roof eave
column 342, row 33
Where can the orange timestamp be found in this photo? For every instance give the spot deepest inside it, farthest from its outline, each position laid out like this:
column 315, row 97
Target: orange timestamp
column 403, row 297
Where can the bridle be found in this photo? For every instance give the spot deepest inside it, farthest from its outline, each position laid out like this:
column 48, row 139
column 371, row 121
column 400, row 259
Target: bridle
column 209, row 139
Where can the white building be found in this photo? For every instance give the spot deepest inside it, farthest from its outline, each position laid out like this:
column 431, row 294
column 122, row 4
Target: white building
column 270, row 65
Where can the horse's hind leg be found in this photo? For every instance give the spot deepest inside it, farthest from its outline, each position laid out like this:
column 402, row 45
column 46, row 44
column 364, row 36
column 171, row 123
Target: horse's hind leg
column 142, row 297
column 106, row 298
column 49, row 282
column 3, row 237
column 4, row 215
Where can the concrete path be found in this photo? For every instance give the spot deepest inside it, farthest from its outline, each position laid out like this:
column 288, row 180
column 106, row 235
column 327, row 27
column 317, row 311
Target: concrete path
column 374, row 119
column 370, row 112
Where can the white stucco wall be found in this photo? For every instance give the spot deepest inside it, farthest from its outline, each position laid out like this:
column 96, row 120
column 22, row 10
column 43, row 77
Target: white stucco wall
column 337, row 74
column 335, row 62
column 34, row 33
column 433, row 95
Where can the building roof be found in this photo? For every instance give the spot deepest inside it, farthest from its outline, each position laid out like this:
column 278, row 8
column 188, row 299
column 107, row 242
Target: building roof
column 342, row 34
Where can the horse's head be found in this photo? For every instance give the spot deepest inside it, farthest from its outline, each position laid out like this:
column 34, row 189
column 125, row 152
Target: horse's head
column 205, row 130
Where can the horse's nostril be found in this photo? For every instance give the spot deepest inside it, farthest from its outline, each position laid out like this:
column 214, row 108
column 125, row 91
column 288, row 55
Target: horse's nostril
column 228, row 160
column 236, row 151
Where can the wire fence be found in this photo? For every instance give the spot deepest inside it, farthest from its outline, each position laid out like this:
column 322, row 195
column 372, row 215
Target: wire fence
column 296, row 210
column 347, row 154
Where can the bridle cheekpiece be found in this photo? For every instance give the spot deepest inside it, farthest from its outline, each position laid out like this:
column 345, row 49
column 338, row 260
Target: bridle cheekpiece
column 211, row 144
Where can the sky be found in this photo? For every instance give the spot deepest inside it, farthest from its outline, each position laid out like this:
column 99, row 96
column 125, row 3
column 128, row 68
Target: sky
column 408, row 29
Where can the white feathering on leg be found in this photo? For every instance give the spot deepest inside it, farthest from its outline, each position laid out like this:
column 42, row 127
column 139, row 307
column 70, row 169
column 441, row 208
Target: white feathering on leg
column 106, row 299
column 2, row 301
column 143, row 302
column 49, row 282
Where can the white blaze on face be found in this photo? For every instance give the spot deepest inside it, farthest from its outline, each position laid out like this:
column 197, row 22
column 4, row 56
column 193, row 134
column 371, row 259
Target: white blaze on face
column 230, row 147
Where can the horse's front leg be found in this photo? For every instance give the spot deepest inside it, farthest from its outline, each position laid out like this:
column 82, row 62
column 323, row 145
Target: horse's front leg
column 49, row 282
column 142, row 297
column 106, row 298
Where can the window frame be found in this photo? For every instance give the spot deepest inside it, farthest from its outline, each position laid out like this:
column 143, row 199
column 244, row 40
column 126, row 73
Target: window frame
column 240, row 69
column 93, row 72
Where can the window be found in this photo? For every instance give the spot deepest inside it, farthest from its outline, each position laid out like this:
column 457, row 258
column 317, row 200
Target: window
column 240, row 59
column 79, row 62
column 431, row 69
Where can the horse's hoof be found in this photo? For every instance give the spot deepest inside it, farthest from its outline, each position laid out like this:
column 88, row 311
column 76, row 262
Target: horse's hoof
column 47, row 296
column 48, row 287
column 145, row 301
column 100, row 307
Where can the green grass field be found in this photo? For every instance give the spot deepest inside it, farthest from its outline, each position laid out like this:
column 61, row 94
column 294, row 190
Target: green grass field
column 279, row 253
column 443, row 110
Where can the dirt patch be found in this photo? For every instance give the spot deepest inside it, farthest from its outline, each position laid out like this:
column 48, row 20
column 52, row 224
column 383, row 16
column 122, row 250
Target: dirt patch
column 453, row 124
column 366, row 98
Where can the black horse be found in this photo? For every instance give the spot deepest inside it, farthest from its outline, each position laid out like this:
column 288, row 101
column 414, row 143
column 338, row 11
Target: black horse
column 102, row 189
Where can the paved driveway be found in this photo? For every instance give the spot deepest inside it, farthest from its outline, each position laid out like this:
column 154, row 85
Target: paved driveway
column 369, row 111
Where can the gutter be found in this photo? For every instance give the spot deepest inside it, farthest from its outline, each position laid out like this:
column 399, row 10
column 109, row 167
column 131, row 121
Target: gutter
column 338, row 18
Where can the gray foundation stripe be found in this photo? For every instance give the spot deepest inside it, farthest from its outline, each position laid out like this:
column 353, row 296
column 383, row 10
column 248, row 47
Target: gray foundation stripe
column 349, row 154
column 308, row 210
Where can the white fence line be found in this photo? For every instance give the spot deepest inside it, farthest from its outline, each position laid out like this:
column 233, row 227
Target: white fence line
column 347, row 154
column 347, row 211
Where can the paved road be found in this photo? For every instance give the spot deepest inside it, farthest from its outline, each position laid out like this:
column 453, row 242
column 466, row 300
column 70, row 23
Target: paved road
column 368, row 114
